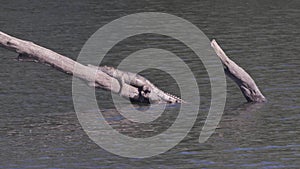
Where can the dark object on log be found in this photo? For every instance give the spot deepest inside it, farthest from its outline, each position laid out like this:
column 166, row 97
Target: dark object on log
column 145, row 87
column 144, row 92
column 128, row 85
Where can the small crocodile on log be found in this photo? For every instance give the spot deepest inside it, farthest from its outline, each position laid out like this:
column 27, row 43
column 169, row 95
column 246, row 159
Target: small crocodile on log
column 126, row 84
column 146, row 88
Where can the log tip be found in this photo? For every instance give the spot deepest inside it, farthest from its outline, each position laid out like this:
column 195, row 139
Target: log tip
column 213, row 42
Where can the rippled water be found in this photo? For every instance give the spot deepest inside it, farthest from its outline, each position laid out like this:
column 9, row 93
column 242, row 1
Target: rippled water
column 38, row 125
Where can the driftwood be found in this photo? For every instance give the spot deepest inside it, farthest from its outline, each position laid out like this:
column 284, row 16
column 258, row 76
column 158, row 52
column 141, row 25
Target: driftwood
column 239, row 76
column 126, row 84
column 98, row 78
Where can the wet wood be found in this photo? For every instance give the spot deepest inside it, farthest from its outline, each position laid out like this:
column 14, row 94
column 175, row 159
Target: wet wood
column 94, row 77
column 239, row 76
column 126, row 84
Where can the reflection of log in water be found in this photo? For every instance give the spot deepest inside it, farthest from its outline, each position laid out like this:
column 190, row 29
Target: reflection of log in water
column 241, row 119
column 127, row 127
column 127, row 85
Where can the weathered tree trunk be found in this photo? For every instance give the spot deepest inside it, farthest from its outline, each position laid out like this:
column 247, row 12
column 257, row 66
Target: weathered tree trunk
column 126, row 84
column 240, row 76
column 103, row 80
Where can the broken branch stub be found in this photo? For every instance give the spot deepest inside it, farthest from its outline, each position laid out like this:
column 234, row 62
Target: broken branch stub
column 239, row 76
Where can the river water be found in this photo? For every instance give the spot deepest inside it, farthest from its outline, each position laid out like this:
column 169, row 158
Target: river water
column 39, row 127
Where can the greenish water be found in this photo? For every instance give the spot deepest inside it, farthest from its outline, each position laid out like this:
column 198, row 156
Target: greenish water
column 38, row 125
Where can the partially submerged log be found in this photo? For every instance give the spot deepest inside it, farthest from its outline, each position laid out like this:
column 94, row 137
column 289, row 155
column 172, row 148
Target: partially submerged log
column 135, row 93
column 239, row 76
column 128, row 85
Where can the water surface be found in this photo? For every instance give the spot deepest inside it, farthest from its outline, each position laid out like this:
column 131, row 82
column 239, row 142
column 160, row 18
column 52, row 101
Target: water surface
column 38, row 125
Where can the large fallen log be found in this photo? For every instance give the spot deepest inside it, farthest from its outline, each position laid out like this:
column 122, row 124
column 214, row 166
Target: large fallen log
column 136, row 93
column 126, row 84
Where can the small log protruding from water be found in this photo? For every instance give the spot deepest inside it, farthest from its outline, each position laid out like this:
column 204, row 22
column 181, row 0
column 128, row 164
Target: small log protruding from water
column 239, row 76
